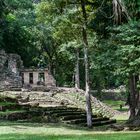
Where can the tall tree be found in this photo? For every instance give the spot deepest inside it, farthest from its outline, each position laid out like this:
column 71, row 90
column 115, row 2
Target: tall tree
column 77, row 74
column 85, row 42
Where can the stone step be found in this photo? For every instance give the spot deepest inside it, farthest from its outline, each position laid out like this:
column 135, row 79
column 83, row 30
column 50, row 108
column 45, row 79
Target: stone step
column 13, row 107
column 15, row 88
column 18, row 115
column 61, row 114
column 8, row 99
column 81, row 120
column 71, row 117
column 9, row 107
column 100, row 123
column 57, row 109
column 65, row 111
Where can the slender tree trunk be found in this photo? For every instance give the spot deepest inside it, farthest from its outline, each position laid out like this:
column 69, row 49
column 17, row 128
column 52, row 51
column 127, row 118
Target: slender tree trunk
column 132, row 100
column 137, row 96
column 85, row 41
column 87, row 94
column 77, row 79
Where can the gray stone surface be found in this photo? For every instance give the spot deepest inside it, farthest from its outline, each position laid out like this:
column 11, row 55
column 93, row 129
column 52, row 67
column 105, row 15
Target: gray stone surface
column 39, row 83
column 10, row 65
column 62, row 97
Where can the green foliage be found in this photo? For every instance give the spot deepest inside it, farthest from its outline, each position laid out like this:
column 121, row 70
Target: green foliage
column 128, row 48
column 134, row 8
column 15, row 30
column 50, row 31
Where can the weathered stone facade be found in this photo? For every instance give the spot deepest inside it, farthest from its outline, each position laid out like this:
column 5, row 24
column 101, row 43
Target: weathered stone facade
column 10, row 66
column 38, row 78
column 14, row 76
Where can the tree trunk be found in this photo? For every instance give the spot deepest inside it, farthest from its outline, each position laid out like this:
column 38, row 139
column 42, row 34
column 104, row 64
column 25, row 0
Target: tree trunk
column 87, row 94
column 138, row 97
column 85, row 41
column 77, row 79
column 132, row 100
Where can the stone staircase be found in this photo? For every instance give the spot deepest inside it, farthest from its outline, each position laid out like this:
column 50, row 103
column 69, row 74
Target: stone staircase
column 11, row 110
column 68, row 98
column 60, row 105
column 78, row 100
column 76, row 116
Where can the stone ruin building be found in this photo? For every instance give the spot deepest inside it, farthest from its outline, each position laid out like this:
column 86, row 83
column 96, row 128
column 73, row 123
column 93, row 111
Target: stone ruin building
column 14, row 76
column 10, row 65
column 37, row 78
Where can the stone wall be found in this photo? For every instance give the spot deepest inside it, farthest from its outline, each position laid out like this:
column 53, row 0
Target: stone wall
column 50, row 82
column 3, row 59
column 47, row 81
column 10, row 65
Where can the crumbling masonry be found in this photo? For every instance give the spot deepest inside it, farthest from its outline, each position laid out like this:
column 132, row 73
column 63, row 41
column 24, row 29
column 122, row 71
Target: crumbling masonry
column 10, row 65
column 14, row 76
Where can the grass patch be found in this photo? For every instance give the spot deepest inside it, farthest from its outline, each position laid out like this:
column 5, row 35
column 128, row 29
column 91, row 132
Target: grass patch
column 116, row 105
column 39, row 131
column 9, row 112
column 128, row 136
column 7, row 103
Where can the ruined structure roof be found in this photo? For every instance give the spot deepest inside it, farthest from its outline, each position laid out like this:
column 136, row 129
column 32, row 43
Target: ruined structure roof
column 34, row 69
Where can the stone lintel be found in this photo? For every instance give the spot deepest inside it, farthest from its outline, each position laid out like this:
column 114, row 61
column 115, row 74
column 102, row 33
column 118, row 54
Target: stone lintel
column 34, row 70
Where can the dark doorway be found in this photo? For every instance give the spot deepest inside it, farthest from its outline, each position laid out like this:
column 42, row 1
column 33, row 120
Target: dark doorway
column 41, row 77
column 22, row 75
column 31, row 78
